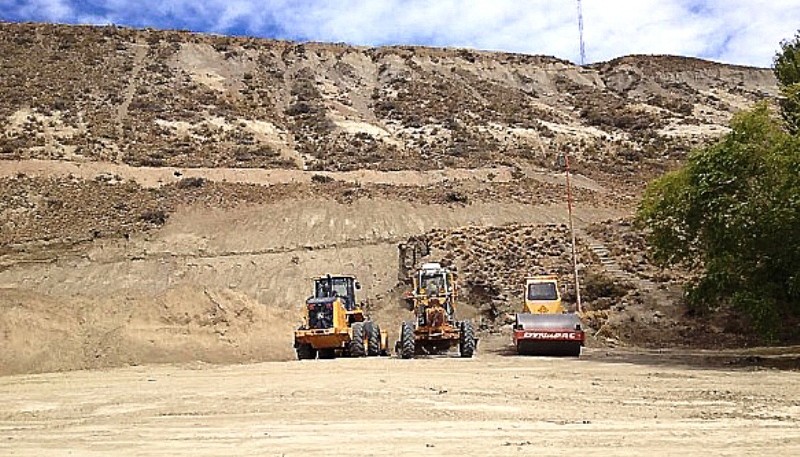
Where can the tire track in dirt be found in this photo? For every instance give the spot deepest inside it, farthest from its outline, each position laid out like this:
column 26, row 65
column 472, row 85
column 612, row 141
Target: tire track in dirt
column 158, row 176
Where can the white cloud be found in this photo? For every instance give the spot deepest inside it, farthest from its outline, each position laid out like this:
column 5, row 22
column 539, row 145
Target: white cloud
column 48, row 10
column 734, row 31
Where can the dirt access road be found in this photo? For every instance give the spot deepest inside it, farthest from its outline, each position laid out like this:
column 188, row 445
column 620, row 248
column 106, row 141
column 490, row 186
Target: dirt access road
column 606, row 403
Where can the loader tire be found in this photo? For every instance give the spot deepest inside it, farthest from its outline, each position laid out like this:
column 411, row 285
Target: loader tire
column 407, row 341
column 356, row 345
column 466, row 344
column 373, row 339
column 306, row 352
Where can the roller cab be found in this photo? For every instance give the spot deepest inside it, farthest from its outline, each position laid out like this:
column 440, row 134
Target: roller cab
column 545, row 327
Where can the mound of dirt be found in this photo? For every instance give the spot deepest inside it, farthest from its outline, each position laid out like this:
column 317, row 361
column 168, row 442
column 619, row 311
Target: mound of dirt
column 61, row 211
column 43, row 333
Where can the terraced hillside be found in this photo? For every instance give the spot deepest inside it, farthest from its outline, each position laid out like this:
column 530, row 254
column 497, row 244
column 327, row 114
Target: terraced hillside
column 166, row 196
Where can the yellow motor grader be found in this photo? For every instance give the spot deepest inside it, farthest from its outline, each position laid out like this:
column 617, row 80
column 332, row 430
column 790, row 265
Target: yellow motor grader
column 544, row 327
column 435, row 329
column 335, row 324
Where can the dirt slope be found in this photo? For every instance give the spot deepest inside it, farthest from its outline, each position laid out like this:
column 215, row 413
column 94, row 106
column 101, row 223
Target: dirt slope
column 216, row 285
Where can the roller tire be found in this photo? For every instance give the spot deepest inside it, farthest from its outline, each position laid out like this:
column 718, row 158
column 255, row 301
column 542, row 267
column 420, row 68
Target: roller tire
column 466, row 344
column 407, row 345
column 356, row 346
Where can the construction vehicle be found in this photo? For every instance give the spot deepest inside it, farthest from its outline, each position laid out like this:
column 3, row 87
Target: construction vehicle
column 335, row 324
column 435, row 329
column 544, row 327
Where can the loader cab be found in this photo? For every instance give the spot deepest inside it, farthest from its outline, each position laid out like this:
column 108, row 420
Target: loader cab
column 345, row 287
column 542, row 295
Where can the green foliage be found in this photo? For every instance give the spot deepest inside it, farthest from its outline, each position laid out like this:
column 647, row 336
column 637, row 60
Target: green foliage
column 733, row 214
column 787, row 62
column 790, row 106
column 787, row 70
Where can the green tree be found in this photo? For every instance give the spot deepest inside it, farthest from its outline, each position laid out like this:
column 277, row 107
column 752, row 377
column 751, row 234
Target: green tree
column 732, row 213
column 787, row 70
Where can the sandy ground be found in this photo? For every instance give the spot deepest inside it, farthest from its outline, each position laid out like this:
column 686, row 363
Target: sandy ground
column 616, row 403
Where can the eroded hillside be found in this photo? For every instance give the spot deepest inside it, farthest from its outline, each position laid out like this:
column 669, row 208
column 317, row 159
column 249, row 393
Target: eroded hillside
column 166, row 196
column 154, row 98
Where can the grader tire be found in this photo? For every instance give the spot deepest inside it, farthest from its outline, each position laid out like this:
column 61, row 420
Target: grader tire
column 466, row 344
column 356, row 345
column 407, row 345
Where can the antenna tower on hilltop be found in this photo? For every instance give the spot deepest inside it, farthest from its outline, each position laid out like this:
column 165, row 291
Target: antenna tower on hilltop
column 580, row 32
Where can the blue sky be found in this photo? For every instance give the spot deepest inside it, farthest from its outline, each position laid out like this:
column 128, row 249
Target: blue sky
column 734, row 31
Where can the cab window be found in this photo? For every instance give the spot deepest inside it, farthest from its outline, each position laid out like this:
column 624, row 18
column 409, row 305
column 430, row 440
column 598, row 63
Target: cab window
column 433, row 283
column 542, row 291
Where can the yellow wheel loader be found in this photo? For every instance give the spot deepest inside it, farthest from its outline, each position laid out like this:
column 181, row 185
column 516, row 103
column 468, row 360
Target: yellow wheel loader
column 435, row 329
column 544, row 327
column 335, row 324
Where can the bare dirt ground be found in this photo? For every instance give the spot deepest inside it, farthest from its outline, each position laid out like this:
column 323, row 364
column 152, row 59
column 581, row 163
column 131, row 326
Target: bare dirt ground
column 607, row 403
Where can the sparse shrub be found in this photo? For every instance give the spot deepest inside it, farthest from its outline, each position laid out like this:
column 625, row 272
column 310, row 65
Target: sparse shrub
column 191, row 183
column 154, row 216
column 298, row 108
column 456, row 197
column 321, row 179
column 597, row 285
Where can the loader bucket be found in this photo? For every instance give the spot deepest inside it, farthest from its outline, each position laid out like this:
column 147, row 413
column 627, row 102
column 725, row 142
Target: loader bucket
column 548, row 334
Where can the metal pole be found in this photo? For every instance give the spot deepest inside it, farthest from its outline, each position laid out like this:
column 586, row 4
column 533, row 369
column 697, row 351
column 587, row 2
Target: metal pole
column 580, row 33
column 572, row 233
